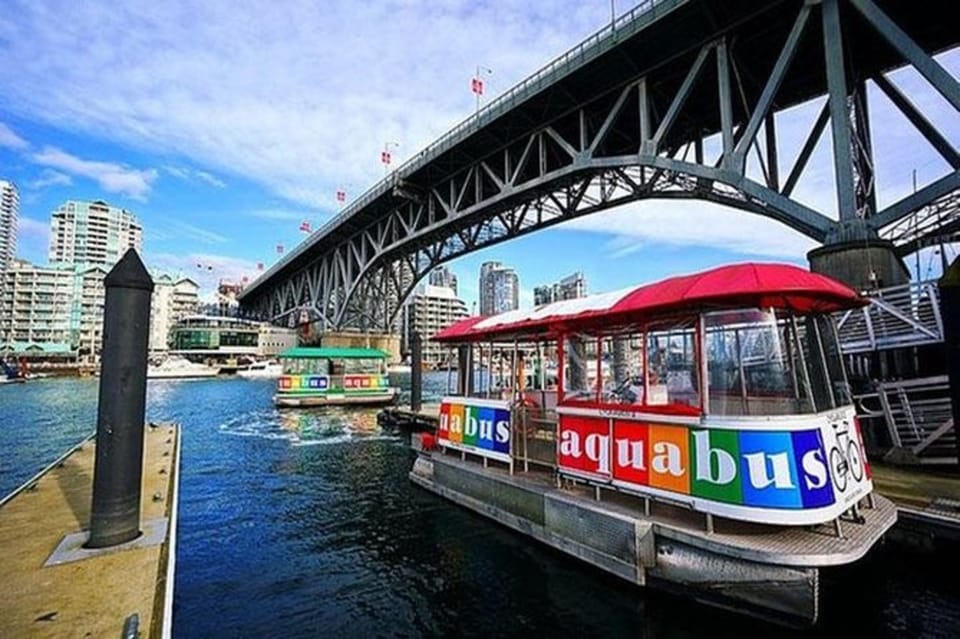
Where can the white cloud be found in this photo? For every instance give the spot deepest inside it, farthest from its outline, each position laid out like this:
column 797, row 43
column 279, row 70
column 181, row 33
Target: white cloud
column 300, row 99
column 195, row 175
column 113, row 178
column 9, row 139
column 205, row 269
column 691, row 223
column 171, row 229
column 280, row 214
column 49, row 177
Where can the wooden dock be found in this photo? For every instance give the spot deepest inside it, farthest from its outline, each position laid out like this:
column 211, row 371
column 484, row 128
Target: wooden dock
column 54, row 588
column 425, row 419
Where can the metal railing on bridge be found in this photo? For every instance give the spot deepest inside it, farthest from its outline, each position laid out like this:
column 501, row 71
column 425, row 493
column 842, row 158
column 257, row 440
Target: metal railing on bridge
column 897, row 317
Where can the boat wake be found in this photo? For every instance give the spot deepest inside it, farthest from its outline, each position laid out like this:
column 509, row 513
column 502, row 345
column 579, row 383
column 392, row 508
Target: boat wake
column 308, row 428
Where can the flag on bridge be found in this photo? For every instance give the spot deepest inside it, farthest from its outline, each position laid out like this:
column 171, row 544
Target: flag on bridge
column 385, row 157
column 341, row 196
column 305, row 226
column 476, row 85
column 280, row 249
column 259, row 266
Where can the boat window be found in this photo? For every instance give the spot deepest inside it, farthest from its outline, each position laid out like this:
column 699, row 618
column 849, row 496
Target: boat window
column 762, row 362
column 672, row 375
column 580, row 367
column 360, row 365
column 623, row 369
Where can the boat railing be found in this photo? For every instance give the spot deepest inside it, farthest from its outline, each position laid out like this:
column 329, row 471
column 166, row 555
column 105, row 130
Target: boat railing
column 534, row 436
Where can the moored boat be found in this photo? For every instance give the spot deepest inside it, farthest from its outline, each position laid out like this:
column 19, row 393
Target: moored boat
column 180, row 368
column 261, row 370
column 316, row 376
column 721, row 457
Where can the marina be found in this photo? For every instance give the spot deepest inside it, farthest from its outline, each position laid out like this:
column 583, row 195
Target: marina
column 310, row 513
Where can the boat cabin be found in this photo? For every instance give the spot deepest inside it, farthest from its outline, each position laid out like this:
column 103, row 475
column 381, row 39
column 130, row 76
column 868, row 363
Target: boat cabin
column 723, row 392
column 317, row 376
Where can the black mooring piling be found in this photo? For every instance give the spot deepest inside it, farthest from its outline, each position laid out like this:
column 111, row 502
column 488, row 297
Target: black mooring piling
column 118, row 467
column 416, row 372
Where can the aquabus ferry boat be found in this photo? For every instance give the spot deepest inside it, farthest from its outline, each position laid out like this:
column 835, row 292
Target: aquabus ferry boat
column 699, row 436
column 314, row 376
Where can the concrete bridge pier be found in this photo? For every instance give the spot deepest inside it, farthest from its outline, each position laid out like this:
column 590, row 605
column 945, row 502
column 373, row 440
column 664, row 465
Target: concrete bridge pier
column 860, row 264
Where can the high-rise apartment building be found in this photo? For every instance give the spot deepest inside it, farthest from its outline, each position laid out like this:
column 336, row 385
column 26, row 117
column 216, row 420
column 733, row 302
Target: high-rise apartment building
column 442, row 276
column 9, row 218
column 36, row 304
column 43, row 305
column 570, row 287
column 499, row 289
column 92, row 233
column 429, row 310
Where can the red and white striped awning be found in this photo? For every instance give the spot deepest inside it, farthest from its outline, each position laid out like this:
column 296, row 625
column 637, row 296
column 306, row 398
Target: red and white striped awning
column 751, row 285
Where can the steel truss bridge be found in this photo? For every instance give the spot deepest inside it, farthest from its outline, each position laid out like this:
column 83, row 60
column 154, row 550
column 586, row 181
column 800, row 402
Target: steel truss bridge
column 631, row 114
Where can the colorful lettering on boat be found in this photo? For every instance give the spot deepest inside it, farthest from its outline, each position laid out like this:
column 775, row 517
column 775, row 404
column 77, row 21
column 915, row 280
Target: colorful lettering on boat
column 294, row 383
column 360, row 382
column 807, row 468
column 479, row 426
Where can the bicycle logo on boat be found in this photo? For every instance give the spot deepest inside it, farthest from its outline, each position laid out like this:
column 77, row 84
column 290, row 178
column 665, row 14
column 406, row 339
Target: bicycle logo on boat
column 846, row 458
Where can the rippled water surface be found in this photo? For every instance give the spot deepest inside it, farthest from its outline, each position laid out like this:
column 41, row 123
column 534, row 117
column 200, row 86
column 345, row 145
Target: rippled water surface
column 304, row 524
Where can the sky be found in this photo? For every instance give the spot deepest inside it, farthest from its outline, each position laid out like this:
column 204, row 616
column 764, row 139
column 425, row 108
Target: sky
column 224, row 125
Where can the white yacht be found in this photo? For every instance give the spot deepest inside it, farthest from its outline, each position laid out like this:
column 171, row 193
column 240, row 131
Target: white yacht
column 179, row 368
column 262, row 370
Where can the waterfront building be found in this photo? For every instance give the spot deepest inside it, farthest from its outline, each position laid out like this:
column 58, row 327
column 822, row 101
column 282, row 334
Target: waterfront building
column 92, row 233
column 568, row 288
column 228, row 340
column 36, row 303
column 172, row 300
column 499, row 289
column 9, row 218
column 273, row 340
column 428, row 311
column 442, row 276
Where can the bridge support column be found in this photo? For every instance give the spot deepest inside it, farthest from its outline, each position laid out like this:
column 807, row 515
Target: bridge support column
column 950, row 310
column 861, row 264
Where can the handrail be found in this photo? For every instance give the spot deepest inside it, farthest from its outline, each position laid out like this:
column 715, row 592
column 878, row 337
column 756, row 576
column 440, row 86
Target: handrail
column 56, row 462
column 627, row 24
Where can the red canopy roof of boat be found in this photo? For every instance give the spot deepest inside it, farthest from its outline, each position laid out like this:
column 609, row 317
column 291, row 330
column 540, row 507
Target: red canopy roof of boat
column 751, row 285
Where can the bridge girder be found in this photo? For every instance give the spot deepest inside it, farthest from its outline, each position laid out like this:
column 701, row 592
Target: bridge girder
column 622, row 146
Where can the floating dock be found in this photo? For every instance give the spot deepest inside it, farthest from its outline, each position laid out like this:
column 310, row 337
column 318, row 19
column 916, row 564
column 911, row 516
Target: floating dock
column 53, row 587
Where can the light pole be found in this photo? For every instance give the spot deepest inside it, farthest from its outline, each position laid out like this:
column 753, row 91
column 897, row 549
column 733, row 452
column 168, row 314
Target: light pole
column 476, row 85
column 386, row 156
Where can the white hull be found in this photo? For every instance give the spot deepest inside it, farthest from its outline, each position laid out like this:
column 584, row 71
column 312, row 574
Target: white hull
column 267, row 372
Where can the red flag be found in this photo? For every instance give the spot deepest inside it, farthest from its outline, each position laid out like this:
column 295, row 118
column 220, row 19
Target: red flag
column 385, row 157
column 305, row 226
column 476, row 85
column 280, row 248
column 341, row 196
column 259, row 266
column 245, row 279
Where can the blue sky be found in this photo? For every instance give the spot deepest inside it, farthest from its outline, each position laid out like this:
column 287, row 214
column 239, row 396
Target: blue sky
column 224, row 125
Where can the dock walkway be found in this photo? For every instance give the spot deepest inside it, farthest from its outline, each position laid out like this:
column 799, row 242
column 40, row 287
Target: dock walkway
column 95, row 595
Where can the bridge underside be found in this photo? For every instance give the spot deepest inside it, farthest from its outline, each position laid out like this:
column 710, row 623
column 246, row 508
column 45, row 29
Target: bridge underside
column 682, row 104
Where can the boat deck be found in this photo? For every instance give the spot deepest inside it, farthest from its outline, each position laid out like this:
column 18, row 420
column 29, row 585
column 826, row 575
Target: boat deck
column 782, row 545
column 92, row 596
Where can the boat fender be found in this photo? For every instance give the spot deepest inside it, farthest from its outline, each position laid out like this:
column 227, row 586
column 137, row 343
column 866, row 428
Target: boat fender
column 428, row 441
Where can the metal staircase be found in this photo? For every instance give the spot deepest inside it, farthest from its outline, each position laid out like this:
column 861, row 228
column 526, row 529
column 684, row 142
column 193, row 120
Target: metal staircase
column 897, row 317
column 916, row 413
